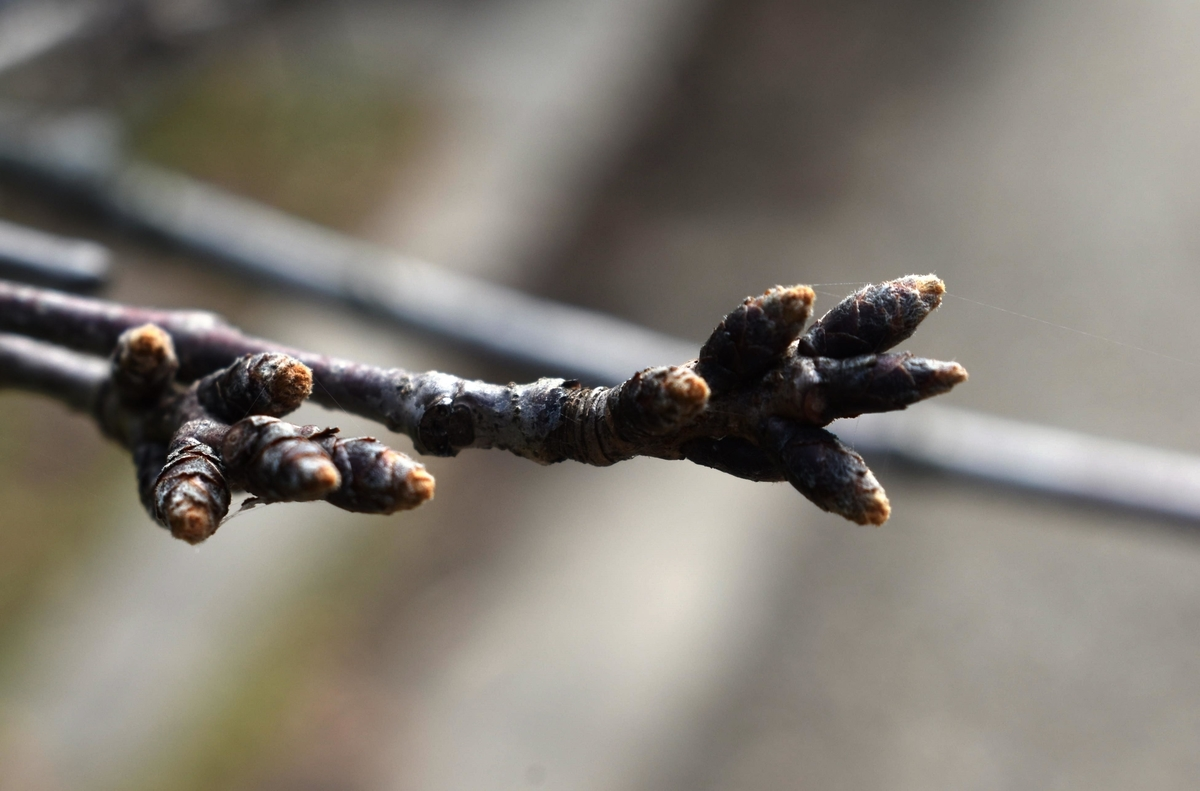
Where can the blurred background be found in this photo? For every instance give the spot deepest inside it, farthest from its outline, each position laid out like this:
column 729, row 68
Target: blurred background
column 652, row 625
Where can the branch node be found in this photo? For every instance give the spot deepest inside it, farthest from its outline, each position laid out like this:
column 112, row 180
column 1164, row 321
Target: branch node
column 657, row 401
column 445, row 428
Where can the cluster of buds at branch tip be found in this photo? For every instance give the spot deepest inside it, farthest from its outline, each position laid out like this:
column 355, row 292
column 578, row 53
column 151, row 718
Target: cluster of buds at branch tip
column 195, row 445
column 754, row 404
column 837, row 369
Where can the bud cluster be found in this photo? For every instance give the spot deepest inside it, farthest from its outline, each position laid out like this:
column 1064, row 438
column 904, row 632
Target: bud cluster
column 194, row 446
column 760, row 364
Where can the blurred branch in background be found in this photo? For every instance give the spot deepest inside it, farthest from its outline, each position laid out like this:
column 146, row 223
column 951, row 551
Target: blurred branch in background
column 32, row 256
column 80, row 154
column 30, row 29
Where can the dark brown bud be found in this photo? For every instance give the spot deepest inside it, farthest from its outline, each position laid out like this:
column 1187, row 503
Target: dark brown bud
column 143, row 364
column 734, row 455
column 751, row 338
column 257, row 384
column 191, row 496
column 873, row 319
column 827, row 472
column 657, row 401
column 375, row 478
column 275, row 461
column 820, row 390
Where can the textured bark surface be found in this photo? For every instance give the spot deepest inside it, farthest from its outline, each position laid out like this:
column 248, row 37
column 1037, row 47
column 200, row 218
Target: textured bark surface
column 190, row 389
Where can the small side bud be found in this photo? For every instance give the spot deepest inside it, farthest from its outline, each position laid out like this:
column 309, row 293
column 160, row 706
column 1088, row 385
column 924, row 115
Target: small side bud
column 258, row 384
column 657, row 401
column 833, row 477
column 375, row 478
column 273, row 460
column 752, row 337
column 873, row 319
column 143, row 364
column 191, row 496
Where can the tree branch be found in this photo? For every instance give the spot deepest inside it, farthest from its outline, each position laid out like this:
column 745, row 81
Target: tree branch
column 50, row 370
column 53, row 261
column 752, row 404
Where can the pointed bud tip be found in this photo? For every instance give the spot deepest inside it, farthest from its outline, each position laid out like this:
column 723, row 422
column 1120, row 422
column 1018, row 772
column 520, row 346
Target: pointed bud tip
column 148, row 342
column 419, row 486
column 929, row 285
column 294, row 379
column 318, row 476
column 191, row 521
column 945, row 376
column 935, row 377
column 876, row 509
column 954, row 374
column 144, row 362
column 686, row 388
column 292, row 382
column 795, row 302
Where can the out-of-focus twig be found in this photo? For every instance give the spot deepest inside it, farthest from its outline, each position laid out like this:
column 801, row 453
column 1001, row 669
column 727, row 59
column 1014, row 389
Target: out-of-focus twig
column 40, row 258
column 31, row 28
column 1041, row 458
column 71, row 377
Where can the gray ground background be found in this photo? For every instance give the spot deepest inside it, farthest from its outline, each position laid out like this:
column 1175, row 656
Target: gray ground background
column 654, row 625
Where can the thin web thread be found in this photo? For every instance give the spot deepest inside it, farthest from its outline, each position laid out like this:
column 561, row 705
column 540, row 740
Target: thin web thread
column 1085, row 333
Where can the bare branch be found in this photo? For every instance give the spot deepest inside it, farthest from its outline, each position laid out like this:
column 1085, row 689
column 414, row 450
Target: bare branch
column 751, row 405
column 50, row 370
column 49, row 260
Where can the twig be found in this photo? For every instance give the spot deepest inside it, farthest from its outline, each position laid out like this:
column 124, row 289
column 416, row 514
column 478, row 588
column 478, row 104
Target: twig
column 752, row 404
column 193, row 445
column 44, row 259
column 50, row 370
column 1046, row 459
column 78, row 153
